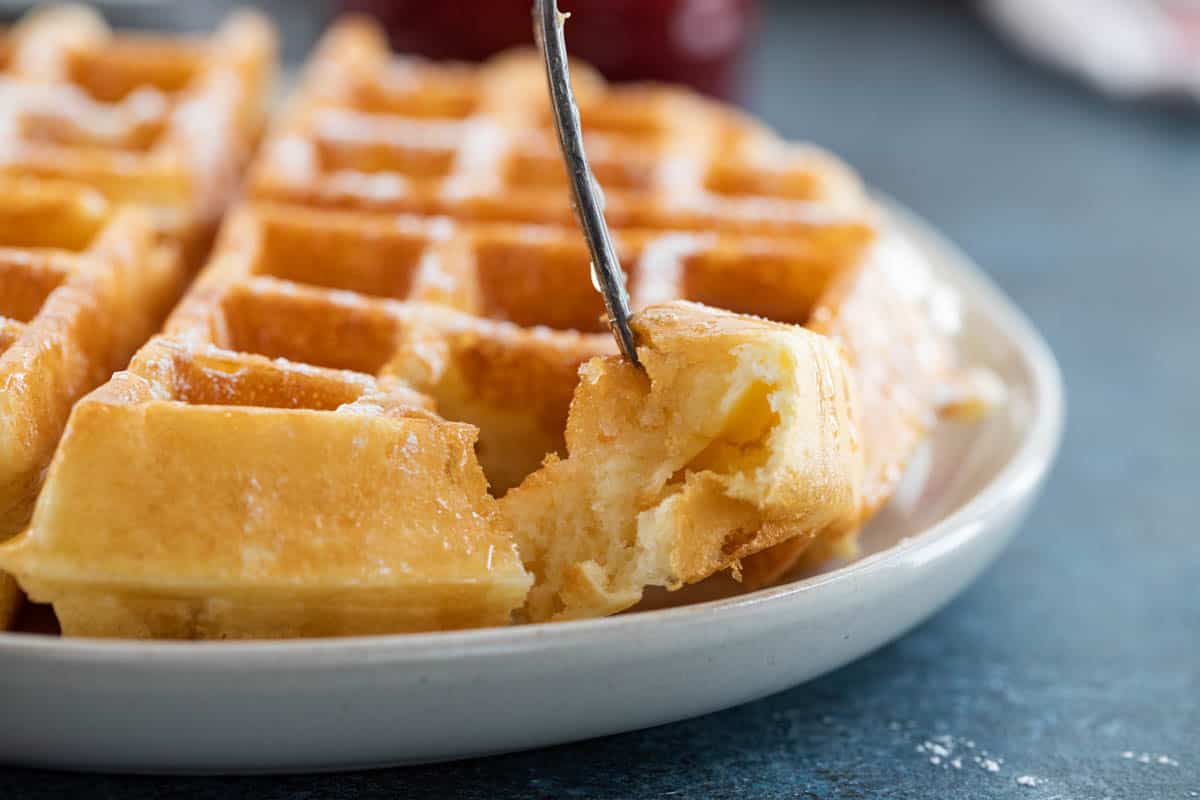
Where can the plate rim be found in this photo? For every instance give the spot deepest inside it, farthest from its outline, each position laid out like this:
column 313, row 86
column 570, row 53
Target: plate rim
column 1020, row 476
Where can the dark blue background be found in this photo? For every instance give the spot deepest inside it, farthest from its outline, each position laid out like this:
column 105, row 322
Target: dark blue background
column 1081, row 644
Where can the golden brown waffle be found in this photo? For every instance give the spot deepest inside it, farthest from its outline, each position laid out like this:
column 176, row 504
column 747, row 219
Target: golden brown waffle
column 709, row 206
column 409, row 227
column 82, row 284
column 164, row 121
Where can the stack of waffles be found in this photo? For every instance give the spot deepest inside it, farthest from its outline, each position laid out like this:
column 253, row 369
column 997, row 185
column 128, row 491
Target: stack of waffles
column 117, row 156
column 367, row 414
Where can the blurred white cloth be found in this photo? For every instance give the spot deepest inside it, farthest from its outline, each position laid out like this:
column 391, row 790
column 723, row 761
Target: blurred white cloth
column 1125, row 47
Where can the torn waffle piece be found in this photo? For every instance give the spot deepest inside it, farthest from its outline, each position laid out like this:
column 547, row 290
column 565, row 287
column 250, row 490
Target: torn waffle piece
column 741, row 434
column 206, row 494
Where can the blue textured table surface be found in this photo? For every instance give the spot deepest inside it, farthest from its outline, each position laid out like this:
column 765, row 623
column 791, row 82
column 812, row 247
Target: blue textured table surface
column 1072, row 668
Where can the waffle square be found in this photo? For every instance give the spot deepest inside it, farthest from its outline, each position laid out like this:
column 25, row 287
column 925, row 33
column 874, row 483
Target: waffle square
column 164, row 121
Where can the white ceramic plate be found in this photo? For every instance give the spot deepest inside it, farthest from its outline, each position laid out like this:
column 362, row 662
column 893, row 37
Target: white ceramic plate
column 331, row 704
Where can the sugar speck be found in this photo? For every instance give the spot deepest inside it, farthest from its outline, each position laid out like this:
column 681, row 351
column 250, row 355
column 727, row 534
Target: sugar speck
column 1029, row 781
column 1149, row 758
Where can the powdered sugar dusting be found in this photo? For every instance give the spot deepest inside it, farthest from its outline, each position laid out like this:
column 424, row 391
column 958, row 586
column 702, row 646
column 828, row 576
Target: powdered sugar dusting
column 483, row 149
column 294, row 157
column 378, row 188
column 659, row 276
column 948, row 752
column 349, row 127
column 1160, row 759
column 68, row 107
column 951, row 752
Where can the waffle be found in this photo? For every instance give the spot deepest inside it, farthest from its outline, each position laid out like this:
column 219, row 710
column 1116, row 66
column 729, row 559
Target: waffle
column 163, row 121
column 83, row 282
column 707, row 205
column 408, row 230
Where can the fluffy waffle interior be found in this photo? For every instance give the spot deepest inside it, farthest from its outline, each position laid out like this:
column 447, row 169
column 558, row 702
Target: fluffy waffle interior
column 166, row 121
column 82, row 283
